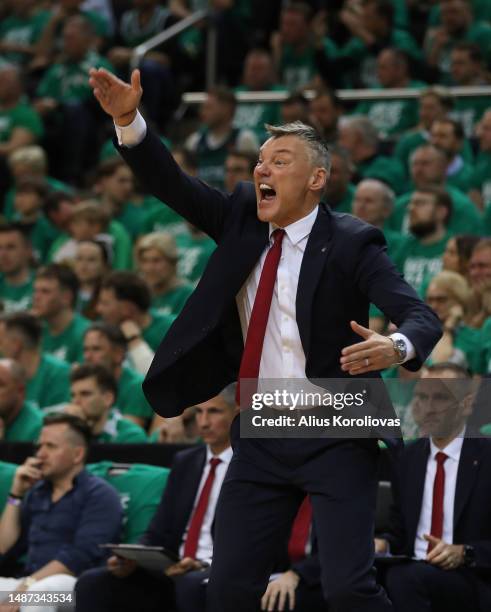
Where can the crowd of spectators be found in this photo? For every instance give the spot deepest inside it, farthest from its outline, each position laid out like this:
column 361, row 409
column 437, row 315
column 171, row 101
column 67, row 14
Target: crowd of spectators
column 94, row 270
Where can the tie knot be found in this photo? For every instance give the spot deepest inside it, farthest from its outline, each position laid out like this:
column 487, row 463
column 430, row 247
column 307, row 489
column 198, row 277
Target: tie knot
column 214, row 461
column 440, row 458
column 277, row 236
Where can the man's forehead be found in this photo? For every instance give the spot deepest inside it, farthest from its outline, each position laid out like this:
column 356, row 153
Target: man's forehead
column 281, row 144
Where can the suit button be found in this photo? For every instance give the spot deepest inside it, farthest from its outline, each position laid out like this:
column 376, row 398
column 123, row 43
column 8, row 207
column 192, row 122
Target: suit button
column 178, row 351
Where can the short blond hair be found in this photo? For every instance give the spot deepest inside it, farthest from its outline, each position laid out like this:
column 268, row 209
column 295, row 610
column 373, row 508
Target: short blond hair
column 163, row 242
column 455, row 285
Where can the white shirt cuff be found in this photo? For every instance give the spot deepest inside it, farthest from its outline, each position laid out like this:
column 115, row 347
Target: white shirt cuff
column 132, row 134
column 411, row 353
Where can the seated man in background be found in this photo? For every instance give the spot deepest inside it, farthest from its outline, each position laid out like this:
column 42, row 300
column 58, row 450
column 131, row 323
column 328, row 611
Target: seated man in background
column 57, row 512
column 106, row 345
column 94, row 391
column 182, row 524
column 442, row 514
column 47, row 383
column 20, row 420
column 55, row 295
column 16, row 273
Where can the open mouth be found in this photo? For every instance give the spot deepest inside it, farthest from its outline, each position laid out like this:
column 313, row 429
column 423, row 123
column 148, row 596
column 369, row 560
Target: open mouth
column 267, row 192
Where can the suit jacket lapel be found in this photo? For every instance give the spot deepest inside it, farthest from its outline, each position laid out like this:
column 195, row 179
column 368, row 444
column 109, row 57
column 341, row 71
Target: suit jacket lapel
column 466, row 476
column 317, row 250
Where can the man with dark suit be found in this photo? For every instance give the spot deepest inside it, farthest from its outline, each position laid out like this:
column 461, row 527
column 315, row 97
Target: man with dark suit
column 443, row 504
column 182, row 524
column 329, row 267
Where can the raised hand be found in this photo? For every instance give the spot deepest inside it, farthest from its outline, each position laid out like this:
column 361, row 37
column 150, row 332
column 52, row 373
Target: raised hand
column 26, row 475
column 117, row 98
column 375, row 352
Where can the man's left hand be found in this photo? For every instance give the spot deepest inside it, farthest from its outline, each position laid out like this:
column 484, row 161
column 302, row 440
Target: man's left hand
column 281, row 591
column 375, row 352
column 446, row 556
column 183, row 567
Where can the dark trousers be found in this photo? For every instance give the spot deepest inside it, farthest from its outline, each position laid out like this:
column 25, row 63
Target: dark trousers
column 259, row 499
column 97, row 590
column 421, row 587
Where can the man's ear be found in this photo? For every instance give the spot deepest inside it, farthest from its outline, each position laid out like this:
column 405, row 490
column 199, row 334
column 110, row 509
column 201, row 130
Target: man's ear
column 318, row 179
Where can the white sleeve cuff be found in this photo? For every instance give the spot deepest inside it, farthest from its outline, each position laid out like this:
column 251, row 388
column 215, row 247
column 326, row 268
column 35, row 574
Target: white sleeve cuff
column 411, row 353
column 132, row 134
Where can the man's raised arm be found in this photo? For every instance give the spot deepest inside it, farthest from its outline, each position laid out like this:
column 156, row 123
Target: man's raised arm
column 152, row 163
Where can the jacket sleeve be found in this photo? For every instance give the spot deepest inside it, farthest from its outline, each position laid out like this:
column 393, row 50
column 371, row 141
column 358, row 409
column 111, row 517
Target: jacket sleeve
column 203, row 206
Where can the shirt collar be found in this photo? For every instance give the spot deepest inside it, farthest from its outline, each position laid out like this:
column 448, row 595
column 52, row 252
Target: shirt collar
column 225, row 456
column 300, row 229
column 452, row 450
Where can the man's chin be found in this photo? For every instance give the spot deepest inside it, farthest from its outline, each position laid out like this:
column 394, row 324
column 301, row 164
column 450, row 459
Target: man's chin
column 266, row 213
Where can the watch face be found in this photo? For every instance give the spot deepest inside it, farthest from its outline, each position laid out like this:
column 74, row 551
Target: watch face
column 400, row 347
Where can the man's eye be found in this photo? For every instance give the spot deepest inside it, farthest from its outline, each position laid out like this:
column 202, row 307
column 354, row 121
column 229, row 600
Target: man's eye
column 280, row 162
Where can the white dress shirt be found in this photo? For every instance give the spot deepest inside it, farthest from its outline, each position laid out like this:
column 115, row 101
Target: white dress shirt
column 282, row 355
column 450, row 466
column 205, row 542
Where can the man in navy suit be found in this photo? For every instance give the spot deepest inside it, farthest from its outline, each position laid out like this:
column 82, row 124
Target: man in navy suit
column 285, row 295
column 124, row 587
column 443, row 504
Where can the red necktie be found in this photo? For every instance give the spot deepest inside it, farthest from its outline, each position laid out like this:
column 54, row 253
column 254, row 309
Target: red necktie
column 192, row 538
column 438, row 494
column 300, row 531
column 251, row 357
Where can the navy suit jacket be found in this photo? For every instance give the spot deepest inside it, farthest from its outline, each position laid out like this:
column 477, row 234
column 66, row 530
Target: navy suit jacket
column 169, row 522
column 472, row 505
column 345, row 267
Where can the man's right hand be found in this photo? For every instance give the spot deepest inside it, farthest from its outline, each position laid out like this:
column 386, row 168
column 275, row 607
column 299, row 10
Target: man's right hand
column 26, row 475
column 120, row 567
column 117, row 98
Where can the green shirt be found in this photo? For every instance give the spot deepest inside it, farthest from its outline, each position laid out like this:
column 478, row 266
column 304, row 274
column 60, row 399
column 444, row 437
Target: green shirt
column 468, row 111
column 42, row 233
column 469, row 341
column 481, row 180
column 391, row 117
column 253, row 115
column 172, row 302
column 297, row 69
column 119, row 430
column 27, row 425
column 417, row 261
column 7, row 473
column 385, row 169
column 486, row 346
column 133, row 33
column 345, row 204
column 130, row 399
column 461, row 177
column 465, row 219
column 16, row 297
column 132, row 218
column 478, row 33
column 50, row 385
column 69, row 344
column 411, row 141
column 68, row 82
column 194, row 253
column 159, row 326
column 364, row 60
column 140, row 488
column 22, row 31
column 162, row 218
column 23, row 116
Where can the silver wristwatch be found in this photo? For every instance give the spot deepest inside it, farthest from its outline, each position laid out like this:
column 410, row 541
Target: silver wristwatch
column 401, row 349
